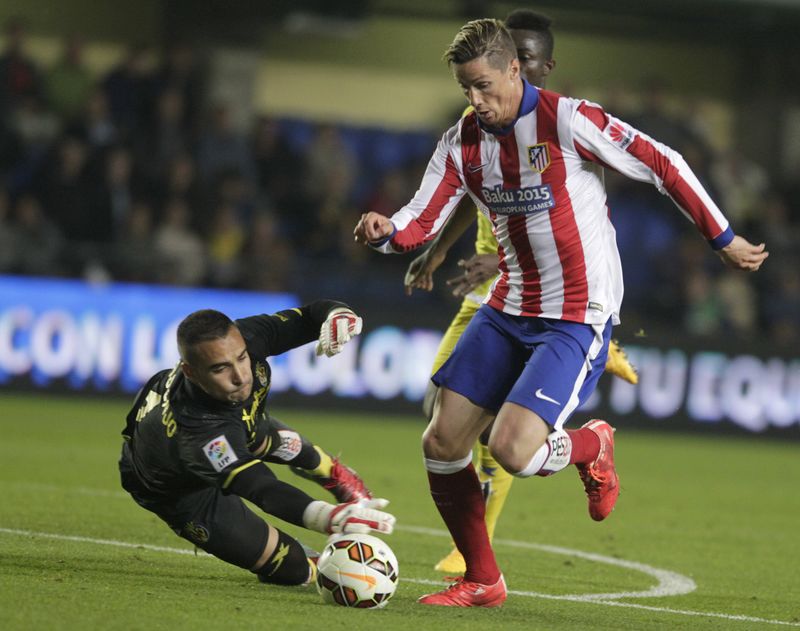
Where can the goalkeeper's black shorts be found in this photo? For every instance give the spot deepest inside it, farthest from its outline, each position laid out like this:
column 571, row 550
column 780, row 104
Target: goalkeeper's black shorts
column 220, row 524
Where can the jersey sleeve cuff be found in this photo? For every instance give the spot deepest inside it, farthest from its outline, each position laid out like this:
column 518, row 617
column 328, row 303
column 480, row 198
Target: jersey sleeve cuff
column 382, row 242
column 722, row 239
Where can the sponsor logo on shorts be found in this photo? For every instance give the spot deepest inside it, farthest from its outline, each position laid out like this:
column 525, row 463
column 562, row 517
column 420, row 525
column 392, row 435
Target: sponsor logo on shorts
column 541, row 395
column 219, row 453
column 196, row 532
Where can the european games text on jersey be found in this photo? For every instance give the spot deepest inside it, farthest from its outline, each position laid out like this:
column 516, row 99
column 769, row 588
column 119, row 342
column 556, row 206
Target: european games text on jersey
column 540, row 182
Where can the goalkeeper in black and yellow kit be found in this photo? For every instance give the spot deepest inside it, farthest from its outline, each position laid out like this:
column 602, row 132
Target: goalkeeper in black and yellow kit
column 534, row 42
column 199, row 440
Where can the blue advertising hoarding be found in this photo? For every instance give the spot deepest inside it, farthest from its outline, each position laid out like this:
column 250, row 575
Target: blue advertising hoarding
column 71, row 335
column 103, row 337
column 66, row 335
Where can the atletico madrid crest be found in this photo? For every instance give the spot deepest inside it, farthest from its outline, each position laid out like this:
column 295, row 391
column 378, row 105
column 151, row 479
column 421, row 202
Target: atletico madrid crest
column 539, row 157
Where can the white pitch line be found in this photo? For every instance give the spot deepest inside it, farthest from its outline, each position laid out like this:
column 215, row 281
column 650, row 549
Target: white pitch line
column 579, row 599
column 103, row 542
column 80, row 490
column 669, row 583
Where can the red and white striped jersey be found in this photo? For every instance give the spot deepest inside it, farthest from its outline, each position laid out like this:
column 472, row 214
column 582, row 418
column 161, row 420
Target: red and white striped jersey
column 540, row 182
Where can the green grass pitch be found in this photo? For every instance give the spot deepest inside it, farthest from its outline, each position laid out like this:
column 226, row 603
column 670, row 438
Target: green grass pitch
column 706, row 535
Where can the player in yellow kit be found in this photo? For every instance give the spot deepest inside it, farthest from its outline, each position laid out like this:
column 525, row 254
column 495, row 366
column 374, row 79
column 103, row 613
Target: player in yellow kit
column 534, row 42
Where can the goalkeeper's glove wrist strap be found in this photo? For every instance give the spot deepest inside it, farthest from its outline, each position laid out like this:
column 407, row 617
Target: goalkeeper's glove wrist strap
column 317, row 516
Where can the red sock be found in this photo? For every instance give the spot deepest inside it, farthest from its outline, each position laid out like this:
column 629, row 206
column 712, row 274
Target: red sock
column 585, row 446
column 460, row 501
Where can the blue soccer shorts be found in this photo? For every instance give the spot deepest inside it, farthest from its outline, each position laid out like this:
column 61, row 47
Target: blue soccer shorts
column 548, row 366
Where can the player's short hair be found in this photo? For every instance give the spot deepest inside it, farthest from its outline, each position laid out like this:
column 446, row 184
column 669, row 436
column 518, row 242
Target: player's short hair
column 201, row 326
column 482, row 38
column 527, row 20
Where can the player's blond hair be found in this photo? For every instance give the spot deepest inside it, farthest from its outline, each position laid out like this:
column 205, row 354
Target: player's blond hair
column 482, row 38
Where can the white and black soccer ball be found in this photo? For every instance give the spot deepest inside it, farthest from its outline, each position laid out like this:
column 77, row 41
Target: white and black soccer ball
column 357, row 571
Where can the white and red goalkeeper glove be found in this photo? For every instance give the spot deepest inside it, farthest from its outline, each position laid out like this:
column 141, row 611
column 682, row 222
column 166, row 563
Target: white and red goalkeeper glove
column 363, row 516
column 340, row 326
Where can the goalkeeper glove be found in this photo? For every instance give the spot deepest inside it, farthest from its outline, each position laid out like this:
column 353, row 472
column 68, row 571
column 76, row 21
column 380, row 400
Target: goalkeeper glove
column 362, row 517
column 340, row 326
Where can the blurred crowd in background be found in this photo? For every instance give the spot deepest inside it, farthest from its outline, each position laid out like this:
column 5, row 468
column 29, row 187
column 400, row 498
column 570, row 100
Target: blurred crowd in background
column 137, row 176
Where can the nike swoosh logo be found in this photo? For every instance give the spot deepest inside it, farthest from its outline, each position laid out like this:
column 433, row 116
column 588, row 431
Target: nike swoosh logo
column 474, row 168
column 541, row 395
column 369, row 580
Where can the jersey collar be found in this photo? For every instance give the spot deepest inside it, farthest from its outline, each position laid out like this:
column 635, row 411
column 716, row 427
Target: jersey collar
column 530, row 99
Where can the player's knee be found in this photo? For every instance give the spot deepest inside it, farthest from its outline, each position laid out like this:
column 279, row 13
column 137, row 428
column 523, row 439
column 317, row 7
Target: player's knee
column 288, row 564
column 436, row 447
column 508, row 455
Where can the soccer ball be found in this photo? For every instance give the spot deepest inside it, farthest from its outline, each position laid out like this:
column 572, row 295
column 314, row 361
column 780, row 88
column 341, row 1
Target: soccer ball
column 357, row 571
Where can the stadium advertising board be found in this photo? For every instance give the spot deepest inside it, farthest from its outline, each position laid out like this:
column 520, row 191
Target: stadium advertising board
column 67, row 335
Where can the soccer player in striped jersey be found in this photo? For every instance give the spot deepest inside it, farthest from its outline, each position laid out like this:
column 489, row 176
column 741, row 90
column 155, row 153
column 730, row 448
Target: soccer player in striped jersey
column 532, row 161
column 534, row 41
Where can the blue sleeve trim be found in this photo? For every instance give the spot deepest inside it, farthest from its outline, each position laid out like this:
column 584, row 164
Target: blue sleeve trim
column 722, row 240
column 378, row 244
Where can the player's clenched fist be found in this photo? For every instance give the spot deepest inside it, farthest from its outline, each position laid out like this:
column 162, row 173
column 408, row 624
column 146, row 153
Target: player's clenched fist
column 742, row 255
column 363, row 516
column 340, row 326
column 373, row 227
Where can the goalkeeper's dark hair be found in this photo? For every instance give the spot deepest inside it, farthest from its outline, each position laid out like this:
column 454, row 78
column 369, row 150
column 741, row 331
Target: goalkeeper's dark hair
column 201, row 326
column 527, row 20
column 482, row 38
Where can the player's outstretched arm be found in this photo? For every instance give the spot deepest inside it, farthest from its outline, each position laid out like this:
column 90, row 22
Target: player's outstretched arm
column 742, row 255
column 420, row 273
column 372, row 227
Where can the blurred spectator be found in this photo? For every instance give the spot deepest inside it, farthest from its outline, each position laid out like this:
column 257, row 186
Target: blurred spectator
column 128, row 87
column 180, row 249
column 237, row 192
column 167, row 137
column 657, row 121
column 8, row 234
column 35, row 126
column 38, row 241
column 223, row 149
column 181, row 71
column 782, row 308
column 180, row 180
column 742, row 185
column 391, row 194
column 739, row 304
column 702, row 312
column 267, row 256
column 331, row 164
column 95, row 124
column 281, row 172
column 114, row 195
column 69, row 82
column 19, row 77
column 136, row 258
column 225, row 243
column 66, row 193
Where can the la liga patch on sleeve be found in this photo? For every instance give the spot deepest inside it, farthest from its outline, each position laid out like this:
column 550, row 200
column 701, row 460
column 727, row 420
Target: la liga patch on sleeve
column 219, row 453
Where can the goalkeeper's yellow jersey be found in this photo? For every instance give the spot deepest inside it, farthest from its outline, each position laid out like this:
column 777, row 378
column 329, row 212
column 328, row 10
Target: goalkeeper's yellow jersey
column 485, row 243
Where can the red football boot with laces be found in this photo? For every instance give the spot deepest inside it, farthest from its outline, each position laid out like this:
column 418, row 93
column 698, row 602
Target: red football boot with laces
column 465, row 593
column 345, row 485
column 600, row 479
